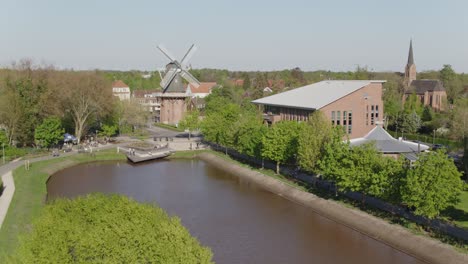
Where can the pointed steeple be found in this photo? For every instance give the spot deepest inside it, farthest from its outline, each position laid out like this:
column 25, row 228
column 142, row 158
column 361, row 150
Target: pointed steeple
column 410, row 69
column 410, row 55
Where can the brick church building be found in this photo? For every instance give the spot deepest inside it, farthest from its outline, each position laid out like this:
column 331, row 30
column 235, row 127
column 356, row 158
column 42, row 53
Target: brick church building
column 430, row 92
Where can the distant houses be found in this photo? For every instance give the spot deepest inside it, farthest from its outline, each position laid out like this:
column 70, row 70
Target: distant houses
column 354, row 104
column 121, row 90
column 201, row 91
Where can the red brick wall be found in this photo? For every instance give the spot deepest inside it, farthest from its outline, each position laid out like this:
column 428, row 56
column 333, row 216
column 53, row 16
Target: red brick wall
column 357, row 103
column 172, row 110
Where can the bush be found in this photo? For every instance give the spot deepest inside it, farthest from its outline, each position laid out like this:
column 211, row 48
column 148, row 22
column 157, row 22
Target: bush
column 13, row 153
column 108, row 229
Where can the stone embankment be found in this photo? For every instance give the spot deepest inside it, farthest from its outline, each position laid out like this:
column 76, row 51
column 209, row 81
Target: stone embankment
column 423, row 248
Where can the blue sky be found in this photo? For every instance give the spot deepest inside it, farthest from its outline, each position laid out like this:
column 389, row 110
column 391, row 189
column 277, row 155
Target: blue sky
column 236, row 35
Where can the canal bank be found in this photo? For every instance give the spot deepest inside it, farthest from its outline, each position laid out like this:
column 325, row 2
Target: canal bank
column 423, row 248
column 30, row 192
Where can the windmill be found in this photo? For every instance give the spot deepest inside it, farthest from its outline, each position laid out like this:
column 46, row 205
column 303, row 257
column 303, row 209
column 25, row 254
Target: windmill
column 175, row 71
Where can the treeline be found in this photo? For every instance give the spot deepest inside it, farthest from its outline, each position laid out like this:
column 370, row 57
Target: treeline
column 39, row 104
column 429, row 186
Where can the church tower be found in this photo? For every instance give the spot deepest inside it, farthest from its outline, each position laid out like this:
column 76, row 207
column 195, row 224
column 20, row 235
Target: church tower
column 410, row 70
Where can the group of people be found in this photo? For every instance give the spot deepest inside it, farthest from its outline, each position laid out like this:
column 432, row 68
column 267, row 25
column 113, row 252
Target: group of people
column 131, row 151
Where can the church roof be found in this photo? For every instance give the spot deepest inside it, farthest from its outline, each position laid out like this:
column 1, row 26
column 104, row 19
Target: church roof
column 410, row 54
column 385, row 143
column 422, row 86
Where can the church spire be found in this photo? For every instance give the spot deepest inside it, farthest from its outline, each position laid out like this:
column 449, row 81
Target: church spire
column 410, row 55
column 410, row 69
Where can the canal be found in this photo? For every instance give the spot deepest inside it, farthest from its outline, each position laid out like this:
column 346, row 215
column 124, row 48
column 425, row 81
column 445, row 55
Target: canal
column 239, row 221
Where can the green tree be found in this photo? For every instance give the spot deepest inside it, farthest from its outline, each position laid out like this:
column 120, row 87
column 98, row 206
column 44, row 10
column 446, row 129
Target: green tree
column 281, row 141
column 49, row 132
column 108, row 130
column 108, row 229
column 311, row 140
column 249, row 134
column 219, row 123
column 247, row 83
column 191, row 121
column 413, row 104
column 409, row 122
column 335, row 156
column 459, row 120
column 451, row 82
column 427, row 114
column 432, row 184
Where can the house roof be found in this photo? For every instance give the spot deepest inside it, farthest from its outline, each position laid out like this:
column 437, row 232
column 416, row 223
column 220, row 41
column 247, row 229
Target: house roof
column 422, row 86
column 119, row 84
column 142, row 93
column 316, row 95
column 205, row 87
column 385, row 143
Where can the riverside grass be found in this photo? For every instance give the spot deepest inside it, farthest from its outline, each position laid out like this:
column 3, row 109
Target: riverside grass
column 29, row 197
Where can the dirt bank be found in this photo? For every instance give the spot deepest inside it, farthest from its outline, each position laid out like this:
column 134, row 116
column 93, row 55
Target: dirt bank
column 423, row 248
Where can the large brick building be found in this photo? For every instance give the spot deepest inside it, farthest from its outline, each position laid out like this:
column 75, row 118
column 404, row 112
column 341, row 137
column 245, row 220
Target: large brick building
column 429, row 92
column 356, row 105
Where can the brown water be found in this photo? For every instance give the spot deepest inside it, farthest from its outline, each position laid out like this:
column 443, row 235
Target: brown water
column 239, row 221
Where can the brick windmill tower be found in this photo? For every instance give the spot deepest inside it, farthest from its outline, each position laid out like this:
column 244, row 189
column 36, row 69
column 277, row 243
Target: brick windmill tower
column 174, row 97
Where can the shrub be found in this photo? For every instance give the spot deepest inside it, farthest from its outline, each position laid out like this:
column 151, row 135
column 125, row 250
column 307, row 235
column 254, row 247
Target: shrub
column 108, row 229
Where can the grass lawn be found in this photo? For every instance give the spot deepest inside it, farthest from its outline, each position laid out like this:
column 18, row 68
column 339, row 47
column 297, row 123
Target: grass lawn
column 30, row 194
column 459, row 213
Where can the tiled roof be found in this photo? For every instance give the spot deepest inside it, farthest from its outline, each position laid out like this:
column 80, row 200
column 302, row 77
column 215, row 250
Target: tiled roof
column 385, row 143
column 422, row 86
column 315, row 96
column 119, row 84
column 205, row 87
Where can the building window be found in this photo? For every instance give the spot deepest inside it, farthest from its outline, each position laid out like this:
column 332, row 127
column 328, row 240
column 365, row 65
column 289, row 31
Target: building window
column 333, row 117
column 350, row 122
column 344, row 118
column 367, row 115
column 338, row 118
column 377, row 112
column 372, row 115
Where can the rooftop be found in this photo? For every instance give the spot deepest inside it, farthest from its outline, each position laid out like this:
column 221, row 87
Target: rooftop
column 422, row 86
column 205, row 87
column 119, row 84
column 385, row 143
column 316, row 95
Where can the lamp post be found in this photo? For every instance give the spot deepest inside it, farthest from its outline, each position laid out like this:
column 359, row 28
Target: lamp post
column 3, row 156
column 433, row 138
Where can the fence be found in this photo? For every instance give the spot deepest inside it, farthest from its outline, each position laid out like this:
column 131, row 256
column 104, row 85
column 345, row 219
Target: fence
column 315, row 181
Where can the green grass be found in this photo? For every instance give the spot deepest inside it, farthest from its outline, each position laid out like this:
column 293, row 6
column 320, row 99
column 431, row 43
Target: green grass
column 459, row 213
column 30, row 194
column 173, row 128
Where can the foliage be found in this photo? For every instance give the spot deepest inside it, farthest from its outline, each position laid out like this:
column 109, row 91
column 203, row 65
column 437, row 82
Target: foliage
column 311, row 140
column 427, row 114
column 459, row 121
column 335, row 154
column 191, row 121
column 281, row 141
column 409, row 122
column 413, row 104
column 108, row 130
column 249, row 133
column 85, row 230
column 3, row 138
column 432, row 184
column 49, row 133
column 219, row 123
column 451, row 83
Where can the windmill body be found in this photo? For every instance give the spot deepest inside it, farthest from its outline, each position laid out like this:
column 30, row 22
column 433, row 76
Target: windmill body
column 174, row 98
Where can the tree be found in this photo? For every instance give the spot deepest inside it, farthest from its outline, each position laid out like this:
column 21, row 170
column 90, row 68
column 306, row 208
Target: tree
column 427, row 114
column 280, row 142
column 86, row 230
column 49, row 133
column 335, row 156
column 85, row 96
column 247, row 83
column 11, row 112
column 191, row 121
column 108, row 130
column 413, row 104
column 249, row 134
column 451, row 82
column 459, row 120
column 219, row 123
column 432, row 184
column 311, row 140
column 409, row 122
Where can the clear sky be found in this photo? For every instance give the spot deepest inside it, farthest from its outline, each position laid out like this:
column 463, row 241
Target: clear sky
column 236, row 35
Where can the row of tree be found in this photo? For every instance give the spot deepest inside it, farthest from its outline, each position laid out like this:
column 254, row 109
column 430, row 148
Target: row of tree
column 430, row 186
column 38, row 104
